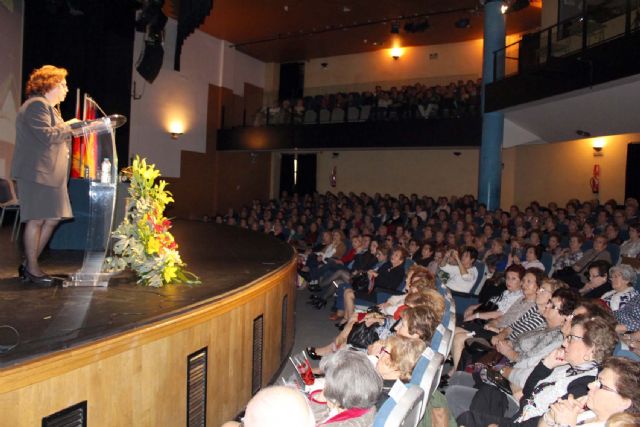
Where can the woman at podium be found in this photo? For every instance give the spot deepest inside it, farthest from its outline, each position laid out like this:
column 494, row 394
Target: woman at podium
column 41, row 166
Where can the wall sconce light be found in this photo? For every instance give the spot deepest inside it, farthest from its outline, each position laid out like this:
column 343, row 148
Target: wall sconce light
column 176, row 129
column 396, row 53
column 598, row 144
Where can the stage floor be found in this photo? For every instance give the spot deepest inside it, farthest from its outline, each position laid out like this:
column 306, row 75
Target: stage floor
column 48, row 320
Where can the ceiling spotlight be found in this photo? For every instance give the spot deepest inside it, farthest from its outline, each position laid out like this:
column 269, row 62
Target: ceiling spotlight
column 583, row 133
column 463, row 23
column 395, row 27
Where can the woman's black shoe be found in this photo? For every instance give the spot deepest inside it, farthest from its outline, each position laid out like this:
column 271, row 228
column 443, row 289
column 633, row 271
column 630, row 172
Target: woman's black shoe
column 320, row 304
column 341, row 325
column 44, row 281
column 311, row 351
column 21, row 270
column 315, row 297
column 314, row 288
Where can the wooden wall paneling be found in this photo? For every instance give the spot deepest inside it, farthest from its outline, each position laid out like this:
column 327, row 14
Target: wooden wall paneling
column 139, row 377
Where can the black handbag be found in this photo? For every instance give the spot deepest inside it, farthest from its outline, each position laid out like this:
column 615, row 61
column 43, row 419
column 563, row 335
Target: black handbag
column 361, row 335
column 360, row 282
column 486, row 307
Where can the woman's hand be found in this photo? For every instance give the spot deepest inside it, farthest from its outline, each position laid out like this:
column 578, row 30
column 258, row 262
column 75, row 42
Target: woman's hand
column 505, row 348
column 566, row 411
column 555, row 359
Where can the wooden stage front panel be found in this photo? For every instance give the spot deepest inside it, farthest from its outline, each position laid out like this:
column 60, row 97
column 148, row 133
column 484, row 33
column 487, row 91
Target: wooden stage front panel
column 139, row 377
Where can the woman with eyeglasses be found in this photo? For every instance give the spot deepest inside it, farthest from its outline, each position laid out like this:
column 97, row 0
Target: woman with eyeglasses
column 565, row 371
column 40, row 166
column 623, row 277
column 615, row 390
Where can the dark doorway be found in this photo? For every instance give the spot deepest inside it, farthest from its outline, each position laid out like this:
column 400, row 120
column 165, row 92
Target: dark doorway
column 632, row 181
column 298, row 173
column 291, row 81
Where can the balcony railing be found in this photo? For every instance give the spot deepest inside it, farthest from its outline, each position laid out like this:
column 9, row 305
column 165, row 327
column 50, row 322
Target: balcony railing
column 597, row 24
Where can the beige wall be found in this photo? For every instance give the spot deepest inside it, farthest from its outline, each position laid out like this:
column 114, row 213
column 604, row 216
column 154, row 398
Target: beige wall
column 547, row 173
column 433, row 172
column 364, row 70
column 560, row 171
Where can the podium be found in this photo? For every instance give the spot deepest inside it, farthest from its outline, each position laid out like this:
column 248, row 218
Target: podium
column 102, row 201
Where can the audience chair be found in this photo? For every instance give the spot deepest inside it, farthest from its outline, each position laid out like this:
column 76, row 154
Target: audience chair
column 441, row 340
column 365, row 111
column 8, row 202
column 425, row 373
column 547, row 261
column 310, row 117
column 588, row 244
column 353, row 114
column 403, row 412
column 325, row 116
column 614, row 251
column 337, row 115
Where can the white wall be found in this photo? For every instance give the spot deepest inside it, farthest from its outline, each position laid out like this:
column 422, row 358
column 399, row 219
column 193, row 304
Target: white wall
column 182, row 95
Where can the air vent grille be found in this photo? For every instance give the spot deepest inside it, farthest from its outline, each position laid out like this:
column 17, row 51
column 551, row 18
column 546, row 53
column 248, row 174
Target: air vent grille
column 197, row 388
column 73, row 416
column 258, row 335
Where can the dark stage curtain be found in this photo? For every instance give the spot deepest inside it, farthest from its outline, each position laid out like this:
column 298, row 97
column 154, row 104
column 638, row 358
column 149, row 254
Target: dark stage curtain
column 93, row 40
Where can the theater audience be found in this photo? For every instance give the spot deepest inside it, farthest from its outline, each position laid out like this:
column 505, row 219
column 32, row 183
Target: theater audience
column 447, row 237
column 565, row 371
column 614, row 391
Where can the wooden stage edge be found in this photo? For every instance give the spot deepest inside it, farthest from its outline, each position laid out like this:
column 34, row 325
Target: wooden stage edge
column 140, row 377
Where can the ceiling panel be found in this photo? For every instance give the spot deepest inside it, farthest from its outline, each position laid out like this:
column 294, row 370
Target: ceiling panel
column 279, row 30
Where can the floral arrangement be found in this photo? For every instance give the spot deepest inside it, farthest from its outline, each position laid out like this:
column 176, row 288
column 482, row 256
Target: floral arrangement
column 143, row 241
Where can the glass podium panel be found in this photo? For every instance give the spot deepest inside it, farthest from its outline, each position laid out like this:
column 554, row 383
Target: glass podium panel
column 102, row 199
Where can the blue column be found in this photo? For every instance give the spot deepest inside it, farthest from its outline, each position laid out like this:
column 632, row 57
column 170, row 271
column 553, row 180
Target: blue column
column 490, row 174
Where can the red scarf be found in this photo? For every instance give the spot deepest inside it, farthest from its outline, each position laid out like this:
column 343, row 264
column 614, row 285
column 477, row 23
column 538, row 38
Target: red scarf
column 347, row 415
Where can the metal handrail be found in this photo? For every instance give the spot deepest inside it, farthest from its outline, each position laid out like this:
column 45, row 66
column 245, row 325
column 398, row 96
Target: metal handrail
column 582, row 18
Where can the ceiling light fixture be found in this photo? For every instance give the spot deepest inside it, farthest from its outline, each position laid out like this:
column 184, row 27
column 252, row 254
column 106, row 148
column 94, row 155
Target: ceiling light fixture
column 396, row 53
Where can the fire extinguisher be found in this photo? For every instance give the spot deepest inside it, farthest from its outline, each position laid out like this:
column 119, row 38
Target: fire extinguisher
column 333, row 179
column 595, row 180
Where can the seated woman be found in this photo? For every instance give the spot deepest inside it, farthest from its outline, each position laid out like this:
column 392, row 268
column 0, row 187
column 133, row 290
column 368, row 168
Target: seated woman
column 474, row 320
column 622, row 279
column 317, row 265
column 565, row 371
column 351, row 389
column 574, row 277
column 457, row 271
column 418, row 323
column 614, row 391
column 532, row 257
column 537, row 343
column 387, row 278
column 569, row 256
column 631, row 248
column 599, row 281
column 364, row 260
column 395, row 359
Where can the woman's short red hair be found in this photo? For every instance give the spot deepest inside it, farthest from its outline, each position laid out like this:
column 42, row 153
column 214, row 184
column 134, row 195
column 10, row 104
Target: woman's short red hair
column 43, row 79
